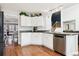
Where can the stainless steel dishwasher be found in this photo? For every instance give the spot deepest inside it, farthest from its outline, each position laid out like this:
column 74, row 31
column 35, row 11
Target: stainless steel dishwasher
column 59, row 43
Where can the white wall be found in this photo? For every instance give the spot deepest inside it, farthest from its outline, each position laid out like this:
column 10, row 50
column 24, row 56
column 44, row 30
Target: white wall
column 71, row 13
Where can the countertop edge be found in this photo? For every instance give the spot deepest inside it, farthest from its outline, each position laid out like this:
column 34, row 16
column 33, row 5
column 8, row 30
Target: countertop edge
column 50, row 32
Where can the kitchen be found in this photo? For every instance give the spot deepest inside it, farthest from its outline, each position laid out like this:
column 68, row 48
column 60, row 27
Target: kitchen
column 46, row 28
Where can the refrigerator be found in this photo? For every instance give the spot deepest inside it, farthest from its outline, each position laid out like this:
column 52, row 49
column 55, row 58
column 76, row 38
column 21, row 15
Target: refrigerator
column 1, row 33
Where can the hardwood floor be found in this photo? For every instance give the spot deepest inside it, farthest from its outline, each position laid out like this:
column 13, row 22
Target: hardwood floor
column 30, row 50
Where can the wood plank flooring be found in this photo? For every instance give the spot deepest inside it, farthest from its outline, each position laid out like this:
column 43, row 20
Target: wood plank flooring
column 30, row 50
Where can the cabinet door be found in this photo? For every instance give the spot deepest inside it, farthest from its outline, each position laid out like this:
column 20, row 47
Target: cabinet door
column 25, row 39
column 44, row 39
column 48, row 40
column 36, row 38
column 71, row 45
column 34, row 21
column 25, row 21
column 37, row 21
column 40, row 21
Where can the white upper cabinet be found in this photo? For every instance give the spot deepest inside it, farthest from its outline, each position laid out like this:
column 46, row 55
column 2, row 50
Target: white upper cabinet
column 32, row 21
column 25, row 21
column 41, row 21
column 37, row 21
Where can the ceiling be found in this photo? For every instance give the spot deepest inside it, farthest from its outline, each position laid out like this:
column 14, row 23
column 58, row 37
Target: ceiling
column 13, row 9
column 29, row 7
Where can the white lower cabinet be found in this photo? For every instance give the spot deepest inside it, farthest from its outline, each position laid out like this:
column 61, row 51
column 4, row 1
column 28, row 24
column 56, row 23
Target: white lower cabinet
column 36, row 38
column 71, row 45
column 48, row 40
column 31, row 38
column 44, row 39
column 25, row 39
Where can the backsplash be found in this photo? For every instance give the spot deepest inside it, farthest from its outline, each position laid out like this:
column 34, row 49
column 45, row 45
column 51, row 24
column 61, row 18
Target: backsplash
column 69, row 25
column 26, row 28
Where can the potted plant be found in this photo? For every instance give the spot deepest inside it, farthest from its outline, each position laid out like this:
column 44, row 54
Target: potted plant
column 23, row 13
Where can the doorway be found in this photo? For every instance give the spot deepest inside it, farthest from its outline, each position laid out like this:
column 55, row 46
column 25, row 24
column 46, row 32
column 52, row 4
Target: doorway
column 10, row 32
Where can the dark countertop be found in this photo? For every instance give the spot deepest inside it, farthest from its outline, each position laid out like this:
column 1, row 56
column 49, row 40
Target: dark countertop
column 33, row 31
column 64, row 33
column 72, row 31
column 42, row 31
column 47, row 32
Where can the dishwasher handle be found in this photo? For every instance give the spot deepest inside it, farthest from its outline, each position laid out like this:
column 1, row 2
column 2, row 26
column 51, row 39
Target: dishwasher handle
column 60, row 36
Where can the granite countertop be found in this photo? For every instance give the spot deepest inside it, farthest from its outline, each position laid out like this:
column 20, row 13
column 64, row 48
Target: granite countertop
column 65, row 33
column 32, row 31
